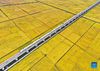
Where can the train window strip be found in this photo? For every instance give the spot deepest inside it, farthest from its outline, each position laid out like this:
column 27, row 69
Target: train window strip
column 53, row 34
column 11, row 63
column 62, row 27
column 40, row 42
column 47, row 38
column 58, row 30
column 22, row 55
column 32, row 48
column 1, row 70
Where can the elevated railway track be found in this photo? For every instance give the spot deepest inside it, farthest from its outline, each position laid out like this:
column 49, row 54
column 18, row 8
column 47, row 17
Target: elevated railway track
column 30, row 48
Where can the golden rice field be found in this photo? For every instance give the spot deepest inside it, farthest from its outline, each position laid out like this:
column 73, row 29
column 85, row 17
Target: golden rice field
column 24, row 21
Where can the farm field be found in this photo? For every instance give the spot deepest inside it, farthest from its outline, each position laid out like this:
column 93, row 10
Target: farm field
column 74, row 49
